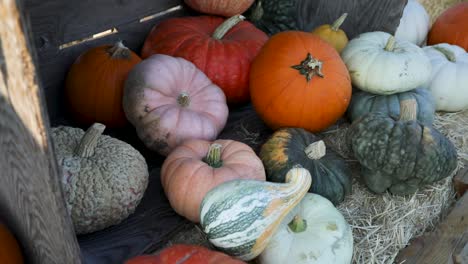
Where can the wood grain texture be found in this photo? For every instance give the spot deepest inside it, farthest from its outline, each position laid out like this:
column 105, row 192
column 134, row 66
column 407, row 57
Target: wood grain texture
column 57, row 22
column 363, row 15
column 447, row 244
column 460, row 182
column 31, row 200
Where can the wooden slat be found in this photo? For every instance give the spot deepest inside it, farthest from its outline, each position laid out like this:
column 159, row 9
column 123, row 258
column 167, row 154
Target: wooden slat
column 447, row 244
column 57, row 22
column 31, row 200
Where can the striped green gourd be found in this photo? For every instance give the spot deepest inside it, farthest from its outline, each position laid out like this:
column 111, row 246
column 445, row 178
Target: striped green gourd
column 239, row 217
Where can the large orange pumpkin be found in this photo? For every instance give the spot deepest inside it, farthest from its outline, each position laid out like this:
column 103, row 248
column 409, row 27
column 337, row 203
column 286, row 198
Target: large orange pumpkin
column 95, row 83
column 9, row 249
column 451, row 27
column 299, row 80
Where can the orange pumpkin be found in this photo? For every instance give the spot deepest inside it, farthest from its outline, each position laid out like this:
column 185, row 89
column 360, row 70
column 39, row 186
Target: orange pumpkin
column 451, row 27
column 9, row 249
column 95, row 83
column 197, row 166
column 299, row 80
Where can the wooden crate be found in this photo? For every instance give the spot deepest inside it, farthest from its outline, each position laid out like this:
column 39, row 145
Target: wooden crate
column 39, row 41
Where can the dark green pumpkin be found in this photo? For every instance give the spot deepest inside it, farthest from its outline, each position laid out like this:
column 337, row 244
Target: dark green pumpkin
column 400, row 155
column 363, row 103
column 287, row 147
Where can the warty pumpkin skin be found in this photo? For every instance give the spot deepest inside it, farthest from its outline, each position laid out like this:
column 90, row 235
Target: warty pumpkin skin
column 186, row 254
column 451, row 27
column 363, row 103
column 170, row 100
column 299, row 80
column 240, row 217
column 400, row 155
column 10, row 251
column 222, row 48
column 95, row 82
column 225, row 8
column 333, row 34
column 104, row 179
column 290, row 146
column 197, row 166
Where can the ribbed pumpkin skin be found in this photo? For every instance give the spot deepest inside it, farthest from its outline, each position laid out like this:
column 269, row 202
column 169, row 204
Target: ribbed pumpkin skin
column 286, row 148
column 94, row 86
column 363, row 103
column 276, row 16
column 186, row 178
column 220, row 7
column 186, row 254
column 283, row 97
column 226, row 61
column 400, row 156
column 10, row 252
column 451, row 27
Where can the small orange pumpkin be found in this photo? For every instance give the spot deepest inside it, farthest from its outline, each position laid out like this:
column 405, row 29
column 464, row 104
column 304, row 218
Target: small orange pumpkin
column 95, row 83
column 333, row 34
column 9, row 249
column 451, row 27
column 197, row 166
column 299, row 80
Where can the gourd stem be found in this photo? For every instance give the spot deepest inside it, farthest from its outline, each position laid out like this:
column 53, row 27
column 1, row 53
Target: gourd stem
column 85, row 148
column 316, row 150
column 390, row 44
column 183, row 99
column 337, row 24
column 119, row 51
column 447, row 53
column 298, row 224
column 229, row 23
column 257, row 12
column 408, row 110
column 213, row 158
column 309, row 67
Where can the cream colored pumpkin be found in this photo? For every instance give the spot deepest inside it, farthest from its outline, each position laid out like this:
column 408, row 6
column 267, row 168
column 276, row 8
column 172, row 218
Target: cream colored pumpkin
column 380, row 64
column 414, row 23
column 449, row 80
column 324, row 237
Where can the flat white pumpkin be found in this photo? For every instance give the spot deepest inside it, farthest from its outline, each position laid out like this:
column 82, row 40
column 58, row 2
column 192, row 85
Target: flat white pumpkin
column 449, row 79
column 380, row 64
column 414, row 23
column 327, row 237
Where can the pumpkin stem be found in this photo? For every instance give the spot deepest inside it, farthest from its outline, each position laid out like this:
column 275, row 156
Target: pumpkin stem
column 390, row 44
column 337, row 24
column 309, row 67
column 183, row 99
column 213, row 158
column 298, row 224
column 316, row 150
column 447, row 53
column 408, row 110
column 257, row 12
column 85, row 148
column 119, row 51
column 229, row 23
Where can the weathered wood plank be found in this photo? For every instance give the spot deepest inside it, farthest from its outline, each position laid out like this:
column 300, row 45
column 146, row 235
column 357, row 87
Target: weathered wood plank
column 31, row 200
column 57, row 22
column 460, row 182
column 447, row 244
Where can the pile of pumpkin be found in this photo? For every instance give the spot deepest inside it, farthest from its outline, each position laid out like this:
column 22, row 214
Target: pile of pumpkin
column 278, row 206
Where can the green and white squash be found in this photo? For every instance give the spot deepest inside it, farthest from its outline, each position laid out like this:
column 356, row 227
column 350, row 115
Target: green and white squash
column 315, row 232
column 290, row 146
column 400, row 155
column 363, row 103
column 239, row 217
column 380, row 64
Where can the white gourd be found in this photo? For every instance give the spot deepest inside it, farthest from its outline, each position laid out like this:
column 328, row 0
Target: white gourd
column 414, row 23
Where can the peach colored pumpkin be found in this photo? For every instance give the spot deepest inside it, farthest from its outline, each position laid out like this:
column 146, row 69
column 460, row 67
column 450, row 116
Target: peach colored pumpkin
column 170, row 100
column 197, row 166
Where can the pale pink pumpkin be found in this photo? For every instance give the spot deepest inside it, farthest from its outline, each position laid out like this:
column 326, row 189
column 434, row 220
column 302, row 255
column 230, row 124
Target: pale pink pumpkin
column 225, row 8
column 170, row 100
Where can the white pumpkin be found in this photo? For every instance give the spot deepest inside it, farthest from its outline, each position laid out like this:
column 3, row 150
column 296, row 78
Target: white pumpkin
column 449, row 79
column 414, row 23
column 324, row 237
column 380, row 64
